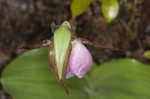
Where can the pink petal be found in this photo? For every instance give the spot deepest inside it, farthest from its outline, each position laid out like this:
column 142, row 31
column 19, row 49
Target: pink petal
column 80, row 60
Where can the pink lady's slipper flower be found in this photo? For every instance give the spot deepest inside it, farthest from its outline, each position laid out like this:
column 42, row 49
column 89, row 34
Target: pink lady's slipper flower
column 66, row 57
column 80, row 60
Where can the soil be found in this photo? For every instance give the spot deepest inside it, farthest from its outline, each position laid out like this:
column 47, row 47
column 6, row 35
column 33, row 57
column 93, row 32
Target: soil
column 28, row 22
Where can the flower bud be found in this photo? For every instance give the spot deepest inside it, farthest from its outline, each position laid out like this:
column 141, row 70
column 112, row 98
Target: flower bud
column 80, row 60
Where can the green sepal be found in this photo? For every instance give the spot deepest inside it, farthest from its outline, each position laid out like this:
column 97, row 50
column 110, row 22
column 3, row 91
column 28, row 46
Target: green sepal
column 62, row 38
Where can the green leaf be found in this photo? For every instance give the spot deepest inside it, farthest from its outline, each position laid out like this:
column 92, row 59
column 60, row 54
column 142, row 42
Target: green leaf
column 120, row 79
column 29, row 77
column 110, row 9
column 62, row 37
column 79, row 6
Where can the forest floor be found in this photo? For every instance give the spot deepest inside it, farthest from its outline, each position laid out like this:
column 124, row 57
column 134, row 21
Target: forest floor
column 28, row 22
